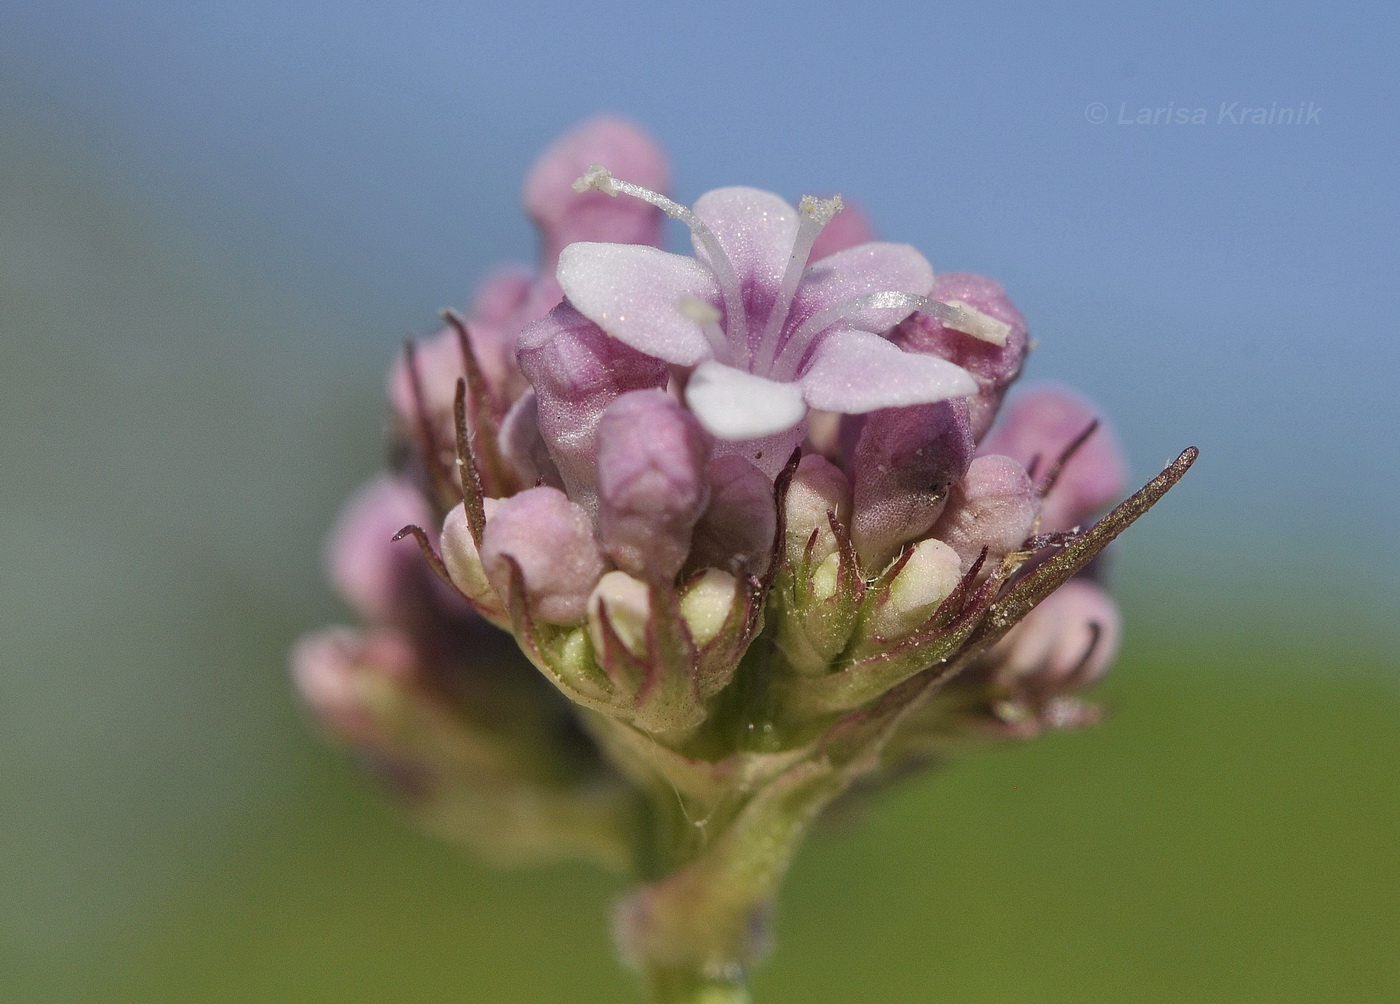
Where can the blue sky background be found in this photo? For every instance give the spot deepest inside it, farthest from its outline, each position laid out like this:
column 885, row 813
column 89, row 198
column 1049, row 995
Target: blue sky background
column 283, row 191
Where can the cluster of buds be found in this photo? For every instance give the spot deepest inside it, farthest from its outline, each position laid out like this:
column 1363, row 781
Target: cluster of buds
column 706, row 541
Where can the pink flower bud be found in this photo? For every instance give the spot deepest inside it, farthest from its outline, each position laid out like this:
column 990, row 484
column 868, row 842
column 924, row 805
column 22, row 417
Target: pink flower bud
column 651, row 483
column 818, row 486
column 577, row 371
column 551, row 540
column 337, row 670
column 903, row 464
column 736, row 531
column 380, row 578
column 1066, row 642
column 994, row 367
column 993, row 506
column 564, row 216
column 1039, row 427
column 463, row 562
column 523, row 445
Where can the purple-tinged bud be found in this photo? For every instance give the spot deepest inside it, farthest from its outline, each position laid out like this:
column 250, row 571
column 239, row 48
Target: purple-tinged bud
column 1065, row 643
column 346, row 676
column 1038, row 429
column 577, row 370
column 439, row 365
column 651, row 482
column 380, row 578
column 459, row 554
column 992, row 506
column 818, row 486
column 932, row 572
column 993, row 366
column 903, row 465
column 707, row 603
column 523, row 445
column 564, row 215
column 551, row 540
column 735, row 533
column 628, row 605
column 845, row 230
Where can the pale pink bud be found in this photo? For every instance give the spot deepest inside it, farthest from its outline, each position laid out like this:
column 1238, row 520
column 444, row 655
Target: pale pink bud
column 1038, row 428
column 551, row 540
column 380, row 578
column 577, row 371
column 818, row 486
column 707, row 603
column 1066, row 642
column 564, row 215
column 993, row 366
column 463, row 562
column 927, row 578
column 438, row 361
column 339, row 672
column 651, row 483
column 993, row 506
column 735, row 533
column 903, row 464
column 523, row 445
column 627, row 602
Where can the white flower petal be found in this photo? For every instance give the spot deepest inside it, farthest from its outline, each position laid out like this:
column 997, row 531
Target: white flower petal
column 854, row 372
column 632, row 292
column 735, row 404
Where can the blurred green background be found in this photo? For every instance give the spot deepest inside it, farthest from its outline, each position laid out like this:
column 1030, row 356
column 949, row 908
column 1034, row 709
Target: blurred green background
column 180, row 417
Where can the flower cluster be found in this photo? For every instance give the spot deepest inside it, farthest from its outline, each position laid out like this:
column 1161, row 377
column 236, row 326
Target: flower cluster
column 753, row 516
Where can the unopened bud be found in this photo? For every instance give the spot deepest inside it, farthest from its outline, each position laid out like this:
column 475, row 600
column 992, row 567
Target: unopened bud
column 736, row 531
column 627, row 604
column 551, row 540
column 651, row 483
column 577, row 370
column 383, row 580
column 1067, row 641
column 930, row 574
column 1039, row 427
column 565, row 214
column 523, row 446
column 905, row 461
column 818, row 487
column 992, row 507
column 993, row 366
column 707, row 603
column 460, row 555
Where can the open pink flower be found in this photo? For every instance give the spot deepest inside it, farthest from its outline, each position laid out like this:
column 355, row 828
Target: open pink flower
column 768, row 334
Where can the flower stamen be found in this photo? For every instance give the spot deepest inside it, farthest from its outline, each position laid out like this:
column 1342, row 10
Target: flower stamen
column 814, row 214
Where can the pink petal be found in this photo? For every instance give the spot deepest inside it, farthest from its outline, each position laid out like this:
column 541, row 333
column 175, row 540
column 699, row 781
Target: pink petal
column 736, row 404
column 865, row 268
column 756, row 229
column 565, row 216
column 854, row 372
column 633, row 293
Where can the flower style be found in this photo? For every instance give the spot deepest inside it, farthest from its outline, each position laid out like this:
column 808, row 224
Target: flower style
column 650, row 589
column 768, row 334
